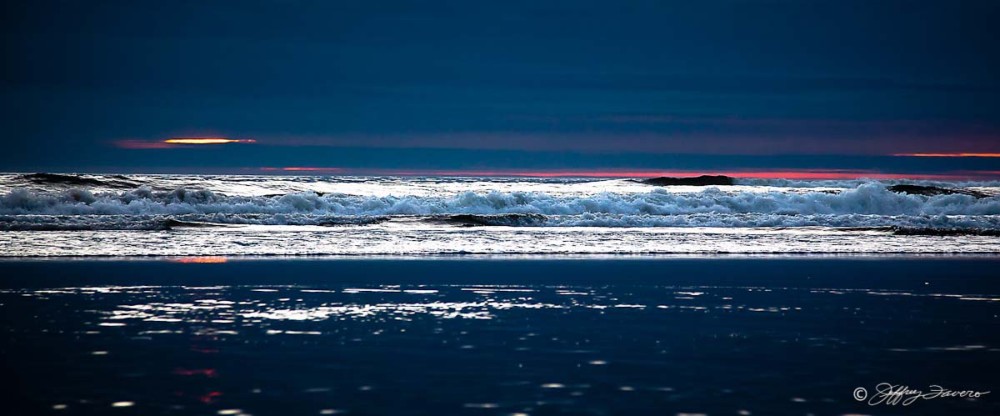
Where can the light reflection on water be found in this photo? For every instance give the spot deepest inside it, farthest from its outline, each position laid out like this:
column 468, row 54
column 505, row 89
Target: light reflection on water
column 484, row 306
column 500, row 349
column 192, row 245
column 201, row 259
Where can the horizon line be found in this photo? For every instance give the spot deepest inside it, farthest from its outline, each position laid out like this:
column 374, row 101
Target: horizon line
column 800, row 174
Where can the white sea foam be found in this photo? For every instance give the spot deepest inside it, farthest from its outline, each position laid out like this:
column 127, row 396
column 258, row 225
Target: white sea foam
column 416, row 239
column 164, row 222
column 121, row 215
column 868, row 198
column 159, row 200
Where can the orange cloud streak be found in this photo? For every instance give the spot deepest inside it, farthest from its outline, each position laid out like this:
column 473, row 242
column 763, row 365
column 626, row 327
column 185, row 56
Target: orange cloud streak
column 948, row 154
column 178, row 141
column 206, row 140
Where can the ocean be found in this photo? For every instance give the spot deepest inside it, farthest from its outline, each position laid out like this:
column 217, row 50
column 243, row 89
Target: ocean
column 276, row 295
column 46, row 215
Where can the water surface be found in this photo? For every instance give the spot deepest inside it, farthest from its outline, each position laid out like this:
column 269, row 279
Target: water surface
column 497, row 336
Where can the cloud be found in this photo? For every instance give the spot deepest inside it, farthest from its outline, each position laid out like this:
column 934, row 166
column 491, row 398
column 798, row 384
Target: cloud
column 178, row 141
column 947, row 154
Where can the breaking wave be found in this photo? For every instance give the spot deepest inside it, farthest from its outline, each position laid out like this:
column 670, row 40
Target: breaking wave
column 869, row 204
column 870, row 199
column 856, row 222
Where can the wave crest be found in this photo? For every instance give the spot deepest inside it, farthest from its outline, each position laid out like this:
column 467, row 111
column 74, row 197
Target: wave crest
column 868, row 199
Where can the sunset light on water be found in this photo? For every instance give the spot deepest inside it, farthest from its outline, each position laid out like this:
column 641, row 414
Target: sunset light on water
column 517, row 208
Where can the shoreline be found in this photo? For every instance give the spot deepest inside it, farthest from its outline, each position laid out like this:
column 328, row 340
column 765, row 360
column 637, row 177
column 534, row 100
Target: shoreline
column 222, row 258
column 829, row 271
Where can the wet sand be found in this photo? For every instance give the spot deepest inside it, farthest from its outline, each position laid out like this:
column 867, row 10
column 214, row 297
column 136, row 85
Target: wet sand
column 724, row 335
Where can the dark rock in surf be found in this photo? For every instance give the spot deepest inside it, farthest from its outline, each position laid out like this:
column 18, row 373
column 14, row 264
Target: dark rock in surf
column 118, row 181
column 944, row 232
column 345, row 221
column 933, row 191
column 55, row 178
column 505, row 220
column 703, row 180
column 929, row 231
column 172, row 223
column 320, row 194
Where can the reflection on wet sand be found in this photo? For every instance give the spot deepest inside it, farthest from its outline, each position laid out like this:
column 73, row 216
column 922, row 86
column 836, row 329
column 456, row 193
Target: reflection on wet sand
column 200, row 259
column 490, row 348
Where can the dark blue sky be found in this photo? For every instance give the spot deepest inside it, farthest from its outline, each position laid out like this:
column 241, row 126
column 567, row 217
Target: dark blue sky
column 506, row 84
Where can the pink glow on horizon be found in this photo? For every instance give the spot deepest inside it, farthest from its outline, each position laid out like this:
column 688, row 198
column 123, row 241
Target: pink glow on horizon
column 142, row 144
column 748, row 174
column 947, row 154
column 304, row 169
